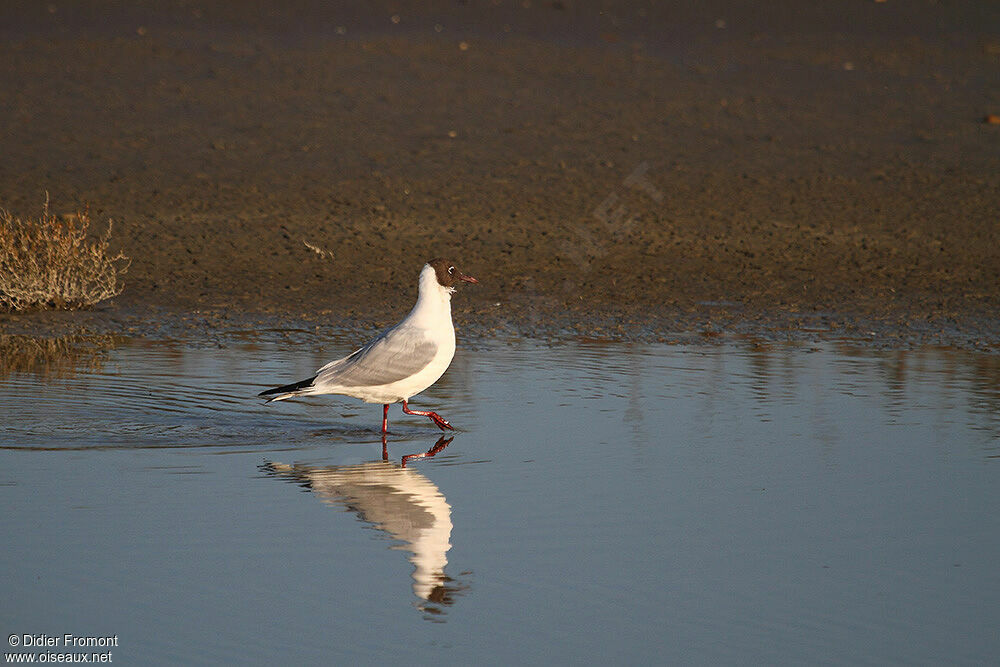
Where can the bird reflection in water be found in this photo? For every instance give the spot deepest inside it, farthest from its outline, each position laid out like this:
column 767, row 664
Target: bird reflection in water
column 399, row 501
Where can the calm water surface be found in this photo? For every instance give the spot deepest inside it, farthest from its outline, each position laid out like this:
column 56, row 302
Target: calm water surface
column 600, row 503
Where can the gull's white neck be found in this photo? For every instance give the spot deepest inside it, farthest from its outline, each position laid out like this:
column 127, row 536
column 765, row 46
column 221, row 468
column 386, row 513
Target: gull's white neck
column 433, row 308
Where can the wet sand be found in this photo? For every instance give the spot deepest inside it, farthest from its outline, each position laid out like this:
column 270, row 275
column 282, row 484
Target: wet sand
column 628, row 171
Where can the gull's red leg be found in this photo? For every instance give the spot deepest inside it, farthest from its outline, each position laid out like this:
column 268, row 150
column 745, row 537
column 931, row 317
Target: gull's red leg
column 441, row 422
column 385, row 419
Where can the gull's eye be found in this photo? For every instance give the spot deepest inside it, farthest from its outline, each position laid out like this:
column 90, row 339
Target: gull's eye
column 451, row 269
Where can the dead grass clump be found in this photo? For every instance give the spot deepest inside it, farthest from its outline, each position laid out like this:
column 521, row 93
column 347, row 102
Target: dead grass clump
column 52, row 263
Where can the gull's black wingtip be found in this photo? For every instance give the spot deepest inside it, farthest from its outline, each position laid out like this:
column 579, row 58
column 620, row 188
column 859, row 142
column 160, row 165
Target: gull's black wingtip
column 287, row 388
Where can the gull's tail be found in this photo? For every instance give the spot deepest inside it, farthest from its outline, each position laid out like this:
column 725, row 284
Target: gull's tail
column 287, row 390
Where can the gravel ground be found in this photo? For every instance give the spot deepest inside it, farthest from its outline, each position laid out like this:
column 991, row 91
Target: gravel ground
column 614, row 170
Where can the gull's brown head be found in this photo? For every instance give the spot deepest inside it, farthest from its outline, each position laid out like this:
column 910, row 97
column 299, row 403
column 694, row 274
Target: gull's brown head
column 448, row 274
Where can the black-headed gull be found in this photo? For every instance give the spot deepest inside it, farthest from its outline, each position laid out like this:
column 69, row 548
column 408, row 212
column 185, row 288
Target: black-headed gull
column 403, row 360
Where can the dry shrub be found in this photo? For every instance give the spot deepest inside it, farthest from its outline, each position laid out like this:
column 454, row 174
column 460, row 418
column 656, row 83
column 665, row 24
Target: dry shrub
column 52, row 263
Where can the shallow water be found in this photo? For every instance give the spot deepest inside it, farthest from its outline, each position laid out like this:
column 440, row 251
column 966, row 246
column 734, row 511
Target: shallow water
column 599, row 503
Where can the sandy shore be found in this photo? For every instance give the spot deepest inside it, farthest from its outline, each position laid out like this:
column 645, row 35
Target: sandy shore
column 638, row 171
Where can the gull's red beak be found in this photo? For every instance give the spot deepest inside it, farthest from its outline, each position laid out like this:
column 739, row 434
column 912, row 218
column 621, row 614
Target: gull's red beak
column 468, row 279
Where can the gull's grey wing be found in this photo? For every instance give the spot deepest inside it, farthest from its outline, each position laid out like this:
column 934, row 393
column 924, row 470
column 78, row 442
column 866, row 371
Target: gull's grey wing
column 395, row 355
